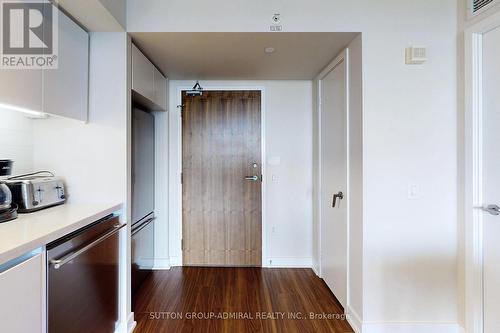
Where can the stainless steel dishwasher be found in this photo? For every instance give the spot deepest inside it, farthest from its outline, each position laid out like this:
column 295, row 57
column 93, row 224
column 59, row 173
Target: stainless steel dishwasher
column 83, row 279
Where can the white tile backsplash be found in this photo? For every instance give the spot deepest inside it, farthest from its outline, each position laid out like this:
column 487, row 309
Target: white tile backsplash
column 16, row 140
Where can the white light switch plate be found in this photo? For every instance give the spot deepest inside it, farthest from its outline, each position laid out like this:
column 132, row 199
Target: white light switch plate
column 414, row 191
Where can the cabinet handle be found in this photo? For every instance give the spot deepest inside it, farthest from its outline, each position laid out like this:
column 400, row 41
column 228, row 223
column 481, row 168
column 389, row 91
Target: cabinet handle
column 142, row 226
column 58, row 263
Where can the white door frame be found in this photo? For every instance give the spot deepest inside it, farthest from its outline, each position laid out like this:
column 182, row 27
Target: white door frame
column 206, row 86
column 343, row 57
column 471, row 180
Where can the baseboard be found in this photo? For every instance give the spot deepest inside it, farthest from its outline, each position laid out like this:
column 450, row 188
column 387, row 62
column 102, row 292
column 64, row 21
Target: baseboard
column 288, row 262
column 131, row 323
column 275, row 262
column 315, row 270
column 354, row 319
column 161, row 264
column 127, row 326
column 411, row 327
column 175, row 261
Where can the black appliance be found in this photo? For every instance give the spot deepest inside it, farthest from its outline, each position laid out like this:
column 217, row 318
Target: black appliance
column 6, row 167
column 83, row 279
column 8, row 210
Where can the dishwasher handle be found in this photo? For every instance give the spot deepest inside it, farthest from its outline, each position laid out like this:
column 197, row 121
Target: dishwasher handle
column 58, row 263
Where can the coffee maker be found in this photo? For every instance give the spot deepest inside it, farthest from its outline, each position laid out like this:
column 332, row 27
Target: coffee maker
column 8, row 209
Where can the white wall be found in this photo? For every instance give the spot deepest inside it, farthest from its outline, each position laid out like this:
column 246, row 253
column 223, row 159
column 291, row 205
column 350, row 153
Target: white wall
column 91, row 156
column 118, row 9
column 16, row 140
column 409, row 136
column 288, row 199
column 356, row 178
column 97, row 15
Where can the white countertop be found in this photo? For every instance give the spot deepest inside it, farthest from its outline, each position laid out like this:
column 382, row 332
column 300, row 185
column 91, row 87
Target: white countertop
column 33, row 230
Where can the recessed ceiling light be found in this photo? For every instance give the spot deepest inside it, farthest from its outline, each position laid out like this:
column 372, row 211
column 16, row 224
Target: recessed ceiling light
column 269, row 50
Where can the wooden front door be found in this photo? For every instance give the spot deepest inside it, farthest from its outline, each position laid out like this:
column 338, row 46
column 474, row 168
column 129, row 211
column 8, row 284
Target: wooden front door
column 221, row 205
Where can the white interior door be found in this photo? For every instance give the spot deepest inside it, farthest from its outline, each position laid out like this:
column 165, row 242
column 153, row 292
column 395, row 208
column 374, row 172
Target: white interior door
column 491, row 179
column 334, row 181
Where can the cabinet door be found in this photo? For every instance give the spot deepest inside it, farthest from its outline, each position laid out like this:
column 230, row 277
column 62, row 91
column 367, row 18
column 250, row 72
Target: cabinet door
column 160, row 90
column 22, row 305
column 21, row 88
column 142, row 74
column 65, row 89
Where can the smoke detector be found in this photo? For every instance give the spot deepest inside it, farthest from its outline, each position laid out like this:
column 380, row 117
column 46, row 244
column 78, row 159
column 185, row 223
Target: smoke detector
column 416, row 55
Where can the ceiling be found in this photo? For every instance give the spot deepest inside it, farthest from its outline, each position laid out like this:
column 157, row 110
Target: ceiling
column 241, row 55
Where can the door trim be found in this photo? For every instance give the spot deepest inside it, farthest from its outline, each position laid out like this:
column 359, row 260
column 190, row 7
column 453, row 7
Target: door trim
column 470, row 162
column 177, row 180
column 343, row 57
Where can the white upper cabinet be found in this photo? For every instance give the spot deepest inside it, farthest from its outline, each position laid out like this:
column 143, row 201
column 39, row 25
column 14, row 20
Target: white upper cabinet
column 61, row 91
column 142, row 74
column 160, row 98
column 148, row 84
column 21, row 88
column 65, row 89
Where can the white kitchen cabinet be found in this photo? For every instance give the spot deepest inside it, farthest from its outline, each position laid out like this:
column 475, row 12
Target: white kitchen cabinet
column 160, row 86
column 149, row 86
column 142, row 75
column 21, row 88
column 23, row 301
column 65, row 89
column 62, row 91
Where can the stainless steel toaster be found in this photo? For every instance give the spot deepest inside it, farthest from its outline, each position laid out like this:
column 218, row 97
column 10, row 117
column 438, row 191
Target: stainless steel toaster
column 36, row 192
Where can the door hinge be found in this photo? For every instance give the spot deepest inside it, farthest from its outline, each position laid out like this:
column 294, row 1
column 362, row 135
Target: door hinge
column 182, row 178
column 181, row 108
column 182, row 244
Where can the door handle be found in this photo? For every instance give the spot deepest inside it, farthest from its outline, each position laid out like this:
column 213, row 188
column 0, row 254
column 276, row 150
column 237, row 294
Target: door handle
column 253, row 178
column 339, row 195
column 492, row 209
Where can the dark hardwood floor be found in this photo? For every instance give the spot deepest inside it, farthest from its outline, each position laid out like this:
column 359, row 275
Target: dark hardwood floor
column 237, row 300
